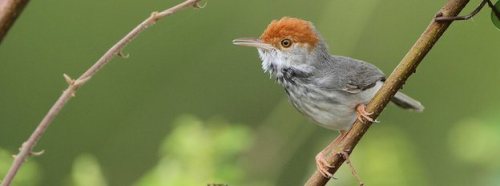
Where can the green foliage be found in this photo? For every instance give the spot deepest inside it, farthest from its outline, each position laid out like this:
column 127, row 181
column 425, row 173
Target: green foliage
column 194, row 153
column 475, row 142
column 198, row 153
column 87, row 171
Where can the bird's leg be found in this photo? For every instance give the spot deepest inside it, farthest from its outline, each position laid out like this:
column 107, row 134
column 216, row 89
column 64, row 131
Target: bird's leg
column 362, row 113
column 321, row 162
column 345, row 155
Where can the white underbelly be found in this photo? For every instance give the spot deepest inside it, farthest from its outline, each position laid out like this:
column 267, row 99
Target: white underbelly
column 337, row 117
column 334, row 115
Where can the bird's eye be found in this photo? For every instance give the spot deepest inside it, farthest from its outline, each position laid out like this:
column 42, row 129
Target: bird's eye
column 286, row 43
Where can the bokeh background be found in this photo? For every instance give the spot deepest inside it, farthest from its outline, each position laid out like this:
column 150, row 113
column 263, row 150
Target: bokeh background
column 189, row 108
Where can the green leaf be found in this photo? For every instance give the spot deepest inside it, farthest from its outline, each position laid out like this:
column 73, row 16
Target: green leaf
column 87, row 171
column 494, row 18
column 198, row 152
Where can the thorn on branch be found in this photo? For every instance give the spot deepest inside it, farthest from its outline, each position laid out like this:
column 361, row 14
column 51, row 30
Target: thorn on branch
column 68, row 79
column 77, row 83
column 198, row 4
column 39, row 153
column 122, row 55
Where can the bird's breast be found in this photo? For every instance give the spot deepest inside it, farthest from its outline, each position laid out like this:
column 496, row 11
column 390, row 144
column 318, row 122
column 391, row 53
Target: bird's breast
column 330, row 109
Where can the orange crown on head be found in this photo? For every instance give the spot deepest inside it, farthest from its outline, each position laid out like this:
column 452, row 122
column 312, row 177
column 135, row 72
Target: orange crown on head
column 297, row 30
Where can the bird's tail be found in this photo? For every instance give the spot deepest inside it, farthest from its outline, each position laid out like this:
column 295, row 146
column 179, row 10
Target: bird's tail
column 406, row 102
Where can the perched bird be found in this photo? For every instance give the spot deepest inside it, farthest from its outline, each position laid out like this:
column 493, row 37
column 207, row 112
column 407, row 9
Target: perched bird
column 331, row 90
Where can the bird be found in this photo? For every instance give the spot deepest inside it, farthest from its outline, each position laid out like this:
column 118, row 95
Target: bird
column 332, row 90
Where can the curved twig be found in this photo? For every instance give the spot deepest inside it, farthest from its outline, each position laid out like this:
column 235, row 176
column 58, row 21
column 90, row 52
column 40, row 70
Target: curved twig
column 494, row 9
column 440, row 17
column 393, row 83
column 73, row 85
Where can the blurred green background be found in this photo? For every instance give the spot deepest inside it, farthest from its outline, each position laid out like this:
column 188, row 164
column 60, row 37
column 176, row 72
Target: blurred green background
column 189, row 108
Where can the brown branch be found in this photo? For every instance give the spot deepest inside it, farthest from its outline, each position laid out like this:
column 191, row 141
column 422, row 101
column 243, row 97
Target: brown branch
column 27, row 147
column 9, row 10
column 393, row 83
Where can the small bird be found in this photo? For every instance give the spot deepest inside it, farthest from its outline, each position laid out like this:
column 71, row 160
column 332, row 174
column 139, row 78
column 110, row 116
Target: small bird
column 331, row 90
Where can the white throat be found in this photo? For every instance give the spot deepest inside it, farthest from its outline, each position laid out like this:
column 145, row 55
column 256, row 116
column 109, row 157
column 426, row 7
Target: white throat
column 274, row 61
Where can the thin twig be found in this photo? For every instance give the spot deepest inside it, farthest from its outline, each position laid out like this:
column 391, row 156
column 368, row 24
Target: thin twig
column 394, row 82
column 493, row 8
column 440, row 17
column 9, row 11
column 27, row 147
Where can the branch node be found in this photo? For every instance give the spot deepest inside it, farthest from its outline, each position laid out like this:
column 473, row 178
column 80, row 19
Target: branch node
column 154, row 17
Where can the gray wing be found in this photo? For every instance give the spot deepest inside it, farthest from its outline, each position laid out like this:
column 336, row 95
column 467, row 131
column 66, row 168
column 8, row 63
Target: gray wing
column 350, row 75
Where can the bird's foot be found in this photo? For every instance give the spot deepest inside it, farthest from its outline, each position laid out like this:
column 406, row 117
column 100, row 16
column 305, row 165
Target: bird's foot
column 345, row 155
column 362, row 114
column 323, row 165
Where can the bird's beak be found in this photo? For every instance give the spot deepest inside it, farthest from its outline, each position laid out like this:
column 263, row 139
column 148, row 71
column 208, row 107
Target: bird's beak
column 252, row 42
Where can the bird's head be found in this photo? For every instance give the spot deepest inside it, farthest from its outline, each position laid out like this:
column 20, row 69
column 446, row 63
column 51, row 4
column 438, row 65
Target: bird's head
column 288, row 43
